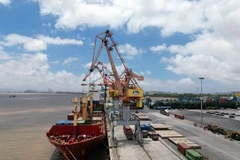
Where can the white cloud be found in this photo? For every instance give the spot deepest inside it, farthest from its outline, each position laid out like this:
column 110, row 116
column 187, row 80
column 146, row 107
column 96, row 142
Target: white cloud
column 5, row 2
column 4, row 55
column 185, row 81
column 214, row 53
column 158, row 48
column 70, row 59
column 182, row 85
column 59, row 41
column 32, row 71
column 87, row 65
column 209, row 56
column 37, row 44
column 169, row 16
column 15, row 39
column 26, row 65
column 129, row 51
column 178, row 49
column 68, row 12
column 213, row 50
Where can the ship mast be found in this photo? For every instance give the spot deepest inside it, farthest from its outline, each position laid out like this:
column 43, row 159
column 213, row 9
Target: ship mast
column 84, row 101
column 75, row 112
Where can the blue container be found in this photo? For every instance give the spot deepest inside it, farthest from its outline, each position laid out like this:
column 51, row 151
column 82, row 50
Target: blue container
column 145, row 127
column 64, row 122
column 96, row 102
column 142, row 127
column 67, row 122
column 148, row 127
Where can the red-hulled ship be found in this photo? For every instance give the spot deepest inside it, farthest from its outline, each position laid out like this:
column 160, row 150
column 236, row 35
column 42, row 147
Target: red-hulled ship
column 77, row 139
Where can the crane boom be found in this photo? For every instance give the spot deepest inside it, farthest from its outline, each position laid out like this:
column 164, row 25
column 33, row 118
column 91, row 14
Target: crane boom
column 115, row 73
column 124, row 86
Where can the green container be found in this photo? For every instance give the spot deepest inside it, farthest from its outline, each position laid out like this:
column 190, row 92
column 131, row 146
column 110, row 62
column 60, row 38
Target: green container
column 81, row 121
column 97, row 108
column 88, row 122
column 193, row 155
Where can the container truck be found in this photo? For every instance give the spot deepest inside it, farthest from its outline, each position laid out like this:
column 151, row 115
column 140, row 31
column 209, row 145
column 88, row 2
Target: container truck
column 128, row 132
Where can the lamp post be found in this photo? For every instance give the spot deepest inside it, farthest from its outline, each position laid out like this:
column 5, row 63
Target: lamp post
column 201, row 78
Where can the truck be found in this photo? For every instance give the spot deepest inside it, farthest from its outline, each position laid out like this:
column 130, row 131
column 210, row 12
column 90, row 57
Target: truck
column 153, row 135
column 179, row 116
column 164, row 112
column 144, row 133
column 128, row 132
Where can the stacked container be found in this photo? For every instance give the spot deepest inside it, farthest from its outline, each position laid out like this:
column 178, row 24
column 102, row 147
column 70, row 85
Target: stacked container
column 182, row 147
column 70, row 116
column 98, row 107
column 193, row 155
column 64, row 122
column 145, row 127
column 79, row 122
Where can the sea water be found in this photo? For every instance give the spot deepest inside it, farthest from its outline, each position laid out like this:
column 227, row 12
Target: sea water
column 24, row 121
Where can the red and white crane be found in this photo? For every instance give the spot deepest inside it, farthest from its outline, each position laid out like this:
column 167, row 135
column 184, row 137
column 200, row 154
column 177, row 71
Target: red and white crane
column 124, row 86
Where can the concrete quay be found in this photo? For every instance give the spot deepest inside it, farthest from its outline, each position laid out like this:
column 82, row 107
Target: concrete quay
column 213, row 146
column 131, row 150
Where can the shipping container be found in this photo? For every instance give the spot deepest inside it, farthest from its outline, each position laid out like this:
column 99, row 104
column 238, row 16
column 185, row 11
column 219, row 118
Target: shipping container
column 70, row 116
column 64, row 122
column 144, row 133
column 145, row 127
column 148, row 127
column 182, row 147
column 97, row 108
column 128, row 132
column 88, row 122
column 81, row 121
column 193, row 155
column 142, row 126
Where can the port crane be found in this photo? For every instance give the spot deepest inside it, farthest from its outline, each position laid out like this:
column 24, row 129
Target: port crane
column 121, row 88
column 93, row 84
column 125, row 86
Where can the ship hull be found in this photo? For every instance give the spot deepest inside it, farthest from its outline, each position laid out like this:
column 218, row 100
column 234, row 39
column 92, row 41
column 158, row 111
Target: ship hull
column 79, row 151
column 77, row 140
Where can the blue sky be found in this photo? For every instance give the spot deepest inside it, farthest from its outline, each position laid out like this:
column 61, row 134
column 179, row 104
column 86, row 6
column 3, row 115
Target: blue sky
column 49, row 44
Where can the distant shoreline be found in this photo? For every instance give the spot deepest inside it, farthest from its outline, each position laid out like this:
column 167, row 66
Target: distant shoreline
column 37, row 93
column 161, row 98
